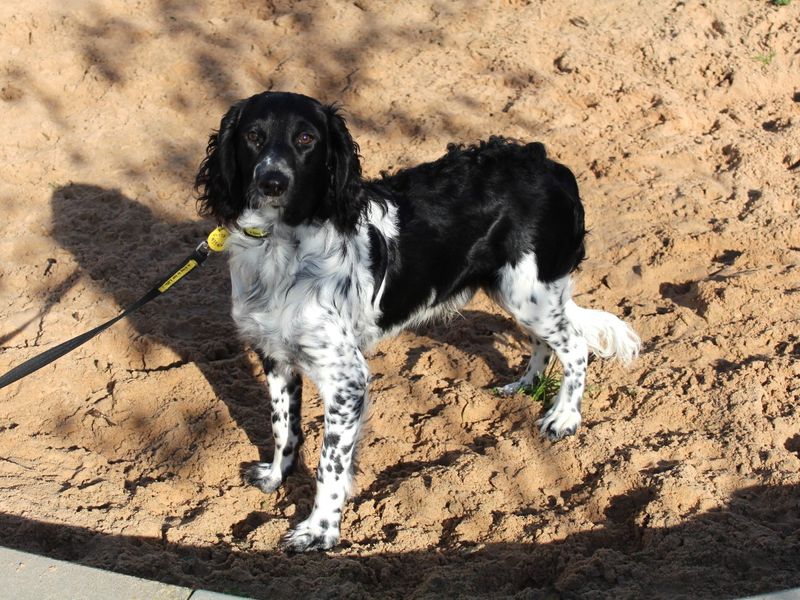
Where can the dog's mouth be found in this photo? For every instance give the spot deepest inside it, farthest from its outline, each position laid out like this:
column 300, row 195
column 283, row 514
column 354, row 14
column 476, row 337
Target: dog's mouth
column 276, row 202
column 258, row 200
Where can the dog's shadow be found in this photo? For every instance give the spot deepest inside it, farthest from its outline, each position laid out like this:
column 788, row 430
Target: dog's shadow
column 125, row 247
column 477, row 334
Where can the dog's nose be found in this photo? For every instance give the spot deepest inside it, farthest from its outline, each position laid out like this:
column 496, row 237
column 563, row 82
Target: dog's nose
column 273, row 183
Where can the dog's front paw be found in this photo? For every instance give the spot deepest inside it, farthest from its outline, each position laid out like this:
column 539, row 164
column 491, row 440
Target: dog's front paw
column 559, row 423
column 310, row 536
column 263, row 476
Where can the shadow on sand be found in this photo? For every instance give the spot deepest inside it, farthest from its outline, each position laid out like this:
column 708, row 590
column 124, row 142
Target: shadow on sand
column 751, row 546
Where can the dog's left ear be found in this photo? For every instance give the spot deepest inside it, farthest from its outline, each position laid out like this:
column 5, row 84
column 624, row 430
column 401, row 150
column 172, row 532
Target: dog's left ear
column 346, row 199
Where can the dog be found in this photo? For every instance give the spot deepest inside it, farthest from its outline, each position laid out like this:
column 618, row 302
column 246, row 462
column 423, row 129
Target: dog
column 324, row 263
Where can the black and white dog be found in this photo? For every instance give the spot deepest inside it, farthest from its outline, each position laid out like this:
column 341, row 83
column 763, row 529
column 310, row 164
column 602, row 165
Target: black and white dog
column 345, row 261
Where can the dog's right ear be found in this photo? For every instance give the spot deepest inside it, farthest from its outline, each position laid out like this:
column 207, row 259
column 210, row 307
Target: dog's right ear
column 219, row 189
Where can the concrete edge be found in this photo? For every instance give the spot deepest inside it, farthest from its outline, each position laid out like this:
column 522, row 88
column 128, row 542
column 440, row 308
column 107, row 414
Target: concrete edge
column 792, row 594
column 27, row 576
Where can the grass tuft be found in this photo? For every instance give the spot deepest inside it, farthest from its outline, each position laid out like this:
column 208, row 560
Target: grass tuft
column 765, row 59
column 545, row 388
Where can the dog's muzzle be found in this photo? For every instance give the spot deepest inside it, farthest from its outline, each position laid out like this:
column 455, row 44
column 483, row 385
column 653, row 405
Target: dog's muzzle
column 273, row 183
column 273, row 178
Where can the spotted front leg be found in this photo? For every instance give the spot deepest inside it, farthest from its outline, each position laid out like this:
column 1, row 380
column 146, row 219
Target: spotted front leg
column 342, row 383
column 285, row 390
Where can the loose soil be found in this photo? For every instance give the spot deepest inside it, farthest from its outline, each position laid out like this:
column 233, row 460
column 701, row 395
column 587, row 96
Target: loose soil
column 680, row 120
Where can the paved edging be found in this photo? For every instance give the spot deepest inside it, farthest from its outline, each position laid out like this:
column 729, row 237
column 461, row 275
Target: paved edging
column 793, row 594
column 28, row 576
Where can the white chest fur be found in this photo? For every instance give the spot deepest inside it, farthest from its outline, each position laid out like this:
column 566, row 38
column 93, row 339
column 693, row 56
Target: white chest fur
column 300, row 288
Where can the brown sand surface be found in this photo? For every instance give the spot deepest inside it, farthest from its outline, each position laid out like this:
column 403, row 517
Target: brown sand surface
column 681, row 120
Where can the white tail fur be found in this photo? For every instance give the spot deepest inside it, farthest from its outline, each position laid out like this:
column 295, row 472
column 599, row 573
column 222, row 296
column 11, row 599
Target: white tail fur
column 605, row 334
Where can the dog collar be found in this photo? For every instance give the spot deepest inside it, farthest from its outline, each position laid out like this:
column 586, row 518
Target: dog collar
column 217, row 238
column 254, row 232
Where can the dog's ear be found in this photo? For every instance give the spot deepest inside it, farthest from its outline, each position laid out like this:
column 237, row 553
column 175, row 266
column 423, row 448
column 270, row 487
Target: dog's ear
column 217, row 183
column 346, row 198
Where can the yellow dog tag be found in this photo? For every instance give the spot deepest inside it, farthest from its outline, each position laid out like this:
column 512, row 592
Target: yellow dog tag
column 216, row 239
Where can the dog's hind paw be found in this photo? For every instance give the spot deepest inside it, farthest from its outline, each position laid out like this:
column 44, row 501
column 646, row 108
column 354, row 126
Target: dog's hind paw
column 510, row 388
column 262, row 476
column 308, row 536
column 557, row 424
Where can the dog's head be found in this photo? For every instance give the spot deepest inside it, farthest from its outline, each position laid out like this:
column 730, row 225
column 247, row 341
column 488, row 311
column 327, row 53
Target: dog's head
column 286, row 156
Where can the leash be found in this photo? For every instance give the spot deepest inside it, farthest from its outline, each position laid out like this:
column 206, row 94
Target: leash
column 214, row 243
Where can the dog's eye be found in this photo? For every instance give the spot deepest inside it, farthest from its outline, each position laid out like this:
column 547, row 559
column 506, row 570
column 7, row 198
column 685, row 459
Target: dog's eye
column 253, row 137
column 305, row 138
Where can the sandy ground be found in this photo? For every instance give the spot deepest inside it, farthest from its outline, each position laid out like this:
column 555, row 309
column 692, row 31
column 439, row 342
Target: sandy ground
column 680, row 120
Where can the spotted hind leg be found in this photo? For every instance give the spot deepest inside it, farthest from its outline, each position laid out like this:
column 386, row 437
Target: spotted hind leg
column 541, row 309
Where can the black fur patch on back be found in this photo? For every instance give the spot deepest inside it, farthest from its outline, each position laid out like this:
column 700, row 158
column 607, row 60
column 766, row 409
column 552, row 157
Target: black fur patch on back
column 475, row 210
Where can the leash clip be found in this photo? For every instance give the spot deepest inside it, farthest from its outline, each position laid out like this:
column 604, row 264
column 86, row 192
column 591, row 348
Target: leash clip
column 203, row 248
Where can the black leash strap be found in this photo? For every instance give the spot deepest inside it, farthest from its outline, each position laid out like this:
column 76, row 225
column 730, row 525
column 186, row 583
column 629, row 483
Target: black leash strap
column 195, row 259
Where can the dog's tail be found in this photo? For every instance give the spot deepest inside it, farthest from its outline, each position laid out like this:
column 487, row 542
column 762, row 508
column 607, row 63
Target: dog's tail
column 606, row 335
